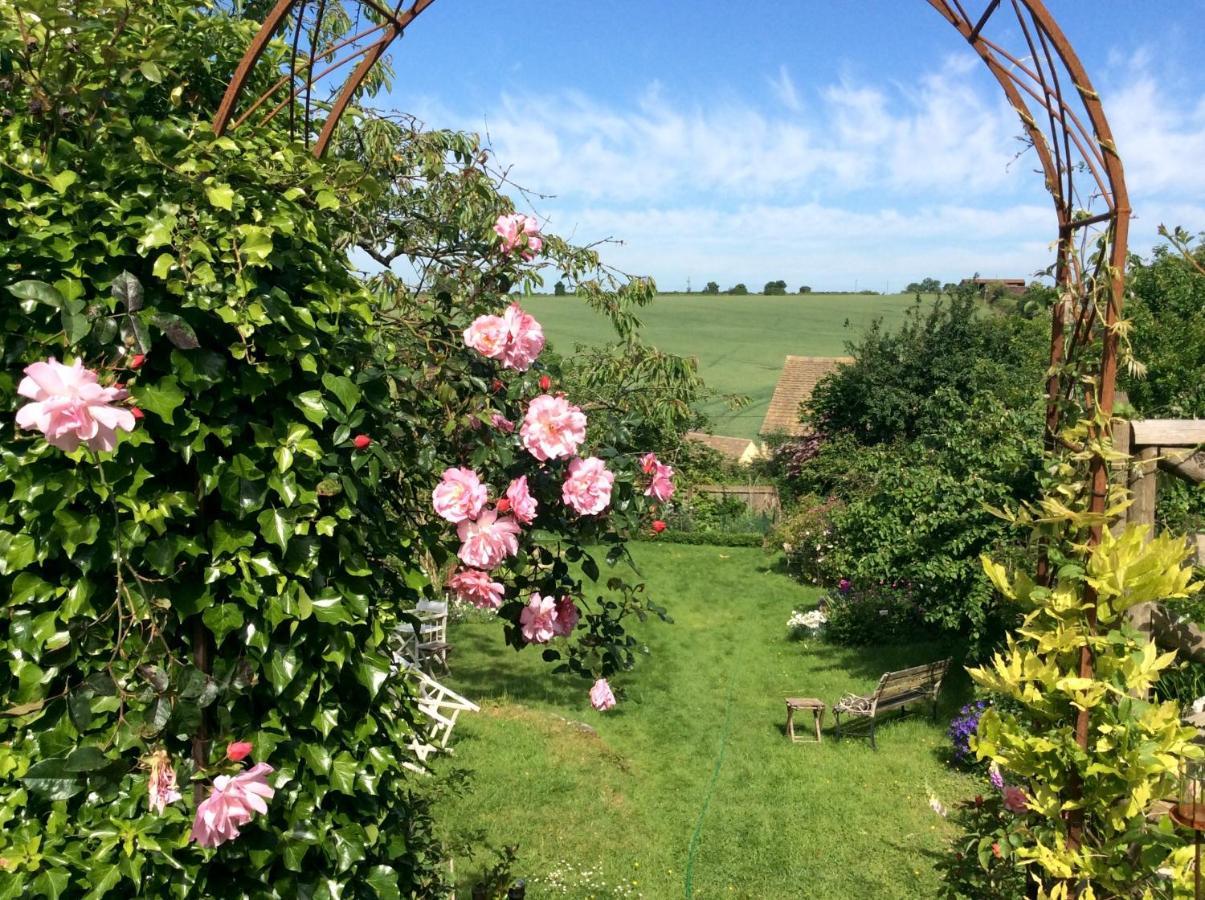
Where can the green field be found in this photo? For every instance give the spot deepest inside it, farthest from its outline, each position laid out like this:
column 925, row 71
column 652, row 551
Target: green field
column 690, row 787
column 741, row 342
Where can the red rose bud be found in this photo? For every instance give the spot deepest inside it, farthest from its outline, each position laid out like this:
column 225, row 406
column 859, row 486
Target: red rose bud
column 361, row 441
column 136, row 412
column 496, row 386
column 137, row 360
column 236, row 750
column 658, row 526
column 503, row 505
column 545, row 382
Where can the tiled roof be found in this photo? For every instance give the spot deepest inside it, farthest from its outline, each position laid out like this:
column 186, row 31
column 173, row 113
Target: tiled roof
column 733, row 448
column 799, row 377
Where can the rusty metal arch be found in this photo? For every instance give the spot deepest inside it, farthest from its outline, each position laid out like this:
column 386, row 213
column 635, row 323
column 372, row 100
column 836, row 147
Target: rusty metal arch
column 1041, row 76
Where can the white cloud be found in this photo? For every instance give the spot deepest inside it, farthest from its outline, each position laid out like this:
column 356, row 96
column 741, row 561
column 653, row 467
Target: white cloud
column 785, row 90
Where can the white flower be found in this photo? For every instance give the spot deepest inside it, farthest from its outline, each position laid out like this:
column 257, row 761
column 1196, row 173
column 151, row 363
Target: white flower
column 1198, row 705
column 937, row 806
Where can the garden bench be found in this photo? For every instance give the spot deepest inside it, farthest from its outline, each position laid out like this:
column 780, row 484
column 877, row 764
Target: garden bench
column 895, row 691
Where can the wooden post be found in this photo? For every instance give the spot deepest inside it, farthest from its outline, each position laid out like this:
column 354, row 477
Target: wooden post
column 1143, row 477
column 1120, row 473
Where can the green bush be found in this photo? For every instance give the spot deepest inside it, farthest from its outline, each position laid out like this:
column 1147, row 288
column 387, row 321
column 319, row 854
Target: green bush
column 874, row 614
column 712, row 538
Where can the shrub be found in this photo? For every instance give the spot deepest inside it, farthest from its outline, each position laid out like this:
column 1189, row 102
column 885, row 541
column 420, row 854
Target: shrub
column 873, row 614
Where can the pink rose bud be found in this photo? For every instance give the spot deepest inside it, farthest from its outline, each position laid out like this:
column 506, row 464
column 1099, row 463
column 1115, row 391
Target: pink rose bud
column 237, row 750
column 361, row 441
column 503, row 505
column 545, row 382
column 496, row 386
column 137, row 360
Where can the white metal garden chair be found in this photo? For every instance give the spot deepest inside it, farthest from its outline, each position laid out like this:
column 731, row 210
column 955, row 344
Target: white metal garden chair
column 441, row 707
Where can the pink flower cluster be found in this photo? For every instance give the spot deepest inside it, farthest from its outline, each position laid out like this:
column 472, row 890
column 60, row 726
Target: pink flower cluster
column 70, row 407
column 552, row 428
column 519, row 232
column 514, row 338
column 475, row 587
column 460, row 495
column 487, row 536
column 661, row 484
column 547, row 617
column 232, row 803
column 587, row 490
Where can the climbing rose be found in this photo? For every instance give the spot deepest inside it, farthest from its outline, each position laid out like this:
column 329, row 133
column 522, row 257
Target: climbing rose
column 475, row 587
column 538, row 619
column 658, row 526
column 488, row 540
column 70, row 406
column 567, row 617
column 601, row 697
column 161, row 783
column 552, row 428
column 661, row 486
column 237, row 750
column 362, row 441
column 487, row 335
column 460, row 495
column 522, row 503
column 587, row 490
column 524, row 339
column 232, row 803
column 502, row 423
column 517, row 230
column 1015, row 799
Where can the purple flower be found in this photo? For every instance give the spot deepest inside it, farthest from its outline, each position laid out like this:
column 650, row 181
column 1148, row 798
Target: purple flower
column 963, row 726
column 844, row 585
column 995, row 777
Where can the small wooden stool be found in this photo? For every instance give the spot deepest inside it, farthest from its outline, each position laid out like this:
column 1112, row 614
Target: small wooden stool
column 816, row 706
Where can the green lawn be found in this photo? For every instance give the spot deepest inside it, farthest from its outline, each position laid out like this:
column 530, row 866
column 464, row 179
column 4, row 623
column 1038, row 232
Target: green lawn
column 698, row 743
column 741, row 342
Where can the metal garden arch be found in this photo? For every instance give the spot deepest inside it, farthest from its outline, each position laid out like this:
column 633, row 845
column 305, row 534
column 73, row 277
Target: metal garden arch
column 1040, row 74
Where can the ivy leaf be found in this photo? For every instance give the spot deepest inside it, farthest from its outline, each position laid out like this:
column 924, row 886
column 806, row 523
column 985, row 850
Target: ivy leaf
column 63, row 180
column 127, row 289
column 311, row 406
column 85, row 759
column 343, row 388
column 383, row 881
column 162, row 398
column 275, row 528
column 150, row 71
column 76, row 326
column 223, row 618
column 372, row 672
column 134, row 335
column 282, row 668
column 225, row 539
column 37, row 291
column 221, row 196
column 51, row 779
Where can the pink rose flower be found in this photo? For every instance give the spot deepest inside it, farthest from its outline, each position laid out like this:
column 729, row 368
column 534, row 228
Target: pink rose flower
column 587, row 490
column 519, row 231
column 236, row 751
column 161, row 782
column 553, row 428
column 70, row 407
column 567, row 617
column 502, row 423
column 487, row 335
column 1015, row 799
column 460, row 495
column 524, row 339
column 601, row 697
column 474, row 586
column 232, row 803
column 661, row 486
column 522, row 504
column 488, row 540
column 538, row 620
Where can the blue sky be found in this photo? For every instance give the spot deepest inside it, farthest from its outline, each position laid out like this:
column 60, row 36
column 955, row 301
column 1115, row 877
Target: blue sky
column 836, row 144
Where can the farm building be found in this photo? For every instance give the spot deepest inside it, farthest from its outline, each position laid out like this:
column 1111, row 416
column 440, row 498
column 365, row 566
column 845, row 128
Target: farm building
column 800, row 375
column 1013, row 286
column 734, row 449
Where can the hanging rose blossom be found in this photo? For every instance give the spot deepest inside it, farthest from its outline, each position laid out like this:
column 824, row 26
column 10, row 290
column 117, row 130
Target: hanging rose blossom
column 236, row 751
column 587, row 490
column 553, row 428
column 503, row 424
column 232, row 803
column 488, row 540
column 601, row 697
column 1015, row 799
column 661, row 486
column 522, row 503
column 567, row 617
column 70, row 407
column 524, row 339
column 519, row 231
column 460, row 495
column 161, row 782
column 545, row 382
column 487, row 335
column 538, row 620
column 475, row 587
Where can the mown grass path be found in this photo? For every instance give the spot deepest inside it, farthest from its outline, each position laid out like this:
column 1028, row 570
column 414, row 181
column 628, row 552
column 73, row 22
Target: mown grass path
column 606, row 805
